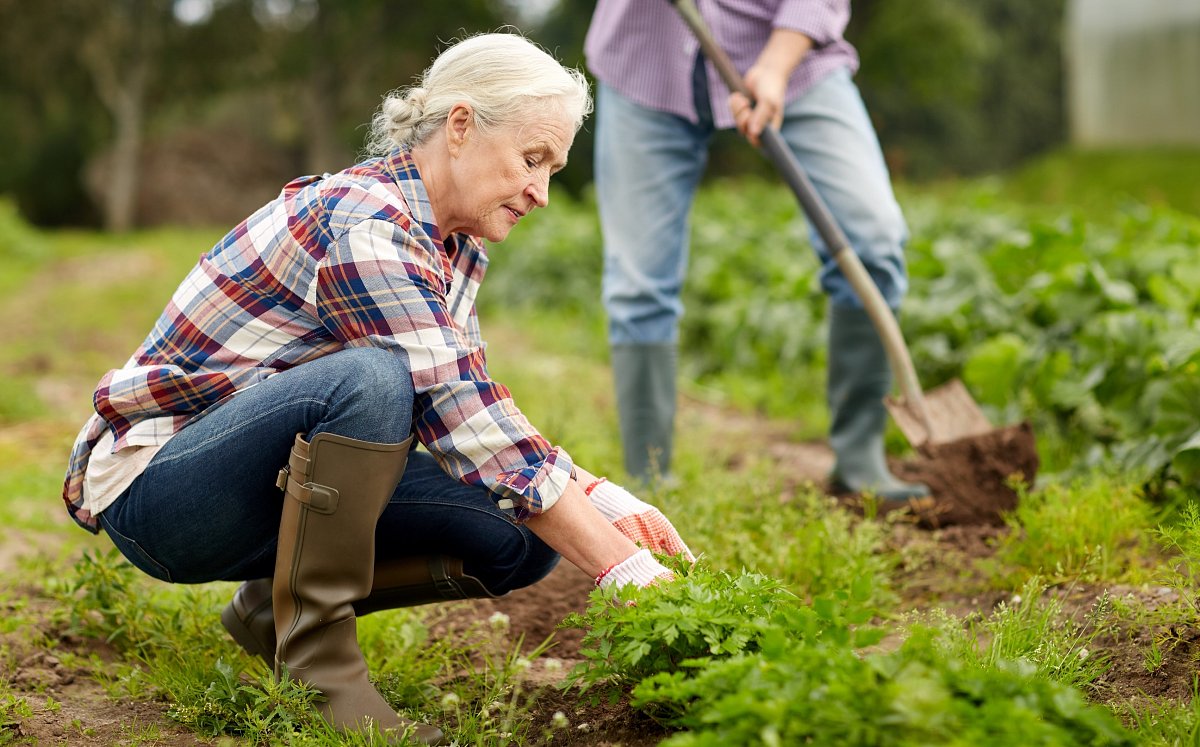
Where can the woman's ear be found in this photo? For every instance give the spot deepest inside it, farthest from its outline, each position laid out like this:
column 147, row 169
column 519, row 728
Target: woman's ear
column 459, row 124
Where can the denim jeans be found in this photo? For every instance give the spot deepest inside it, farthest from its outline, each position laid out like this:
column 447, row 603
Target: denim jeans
column 649, row 163
column 207, row 507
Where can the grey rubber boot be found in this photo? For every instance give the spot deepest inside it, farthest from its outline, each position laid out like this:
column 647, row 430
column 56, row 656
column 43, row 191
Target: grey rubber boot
column 335, row 489
column 859, row 379
column 405, row 582
column 644, row 376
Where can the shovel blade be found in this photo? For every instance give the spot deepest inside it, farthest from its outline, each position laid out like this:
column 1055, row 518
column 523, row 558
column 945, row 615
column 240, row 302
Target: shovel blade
column 953, row 415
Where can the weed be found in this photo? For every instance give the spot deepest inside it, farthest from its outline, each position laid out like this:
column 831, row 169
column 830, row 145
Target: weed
column 1088, row 530
column 1032, row 627
column 220, row 701
column 1167, row 723
column 1153, row 658
column 13, row 710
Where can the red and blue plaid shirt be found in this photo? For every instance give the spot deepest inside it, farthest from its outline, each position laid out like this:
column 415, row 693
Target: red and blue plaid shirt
column 352, row 259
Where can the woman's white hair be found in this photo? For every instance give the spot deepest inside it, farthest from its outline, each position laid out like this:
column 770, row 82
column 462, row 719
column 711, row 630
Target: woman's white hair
column 500, row 75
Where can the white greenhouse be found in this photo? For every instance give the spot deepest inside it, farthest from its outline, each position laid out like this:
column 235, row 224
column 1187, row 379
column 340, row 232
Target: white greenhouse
column 1133, row 72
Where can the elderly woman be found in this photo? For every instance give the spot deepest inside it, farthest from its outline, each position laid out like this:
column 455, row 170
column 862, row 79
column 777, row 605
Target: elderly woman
column 262, row 431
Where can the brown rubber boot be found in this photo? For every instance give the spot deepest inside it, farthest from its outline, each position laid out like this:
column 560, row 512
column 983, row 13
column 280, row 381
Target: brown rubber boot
column 405, row 582
column 335, row 488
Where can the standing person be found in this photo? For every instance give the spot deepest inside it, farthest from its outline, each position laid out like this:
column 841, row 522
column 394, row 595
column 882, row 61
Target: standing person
column 262, row 431
column 658, row 104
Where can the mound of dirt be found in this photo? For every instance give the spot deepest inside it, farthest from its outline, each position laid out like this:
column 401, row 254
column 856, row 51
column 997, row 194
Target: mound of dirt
column 971, row 479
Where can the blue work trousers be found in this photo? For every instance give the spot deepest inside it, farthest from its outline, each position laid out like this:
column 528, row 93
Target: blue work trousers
column 207, row 507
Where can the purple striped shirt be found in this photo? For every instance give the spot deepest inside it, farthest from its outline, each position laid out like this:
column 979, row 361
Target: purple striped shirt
column 643, row 49
column 352, row 259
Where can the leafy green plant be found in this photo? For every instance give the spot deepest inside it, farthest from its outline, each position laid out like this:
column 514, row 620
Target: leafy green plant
column 818, row 692
column 13, row 710
column 702, row 615
column 635, row 633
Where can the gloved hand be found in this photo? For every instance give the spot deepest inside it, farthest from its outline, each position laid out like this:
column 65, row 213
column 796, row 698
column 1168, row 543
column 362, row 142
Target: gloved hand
column 642, row 523
column 640, row 568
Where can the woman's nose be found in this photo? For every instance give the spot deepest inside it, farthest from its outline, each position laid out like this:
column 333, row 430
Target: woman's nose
column 539, row 190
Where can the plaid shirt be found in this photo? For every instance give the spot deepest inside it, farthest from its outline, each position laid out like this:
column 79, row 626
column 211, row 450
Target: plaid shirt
column 345, row 260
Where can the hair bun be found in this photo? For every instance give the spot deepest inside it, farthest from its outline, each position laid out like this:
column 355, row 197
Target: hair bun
column 416, row 99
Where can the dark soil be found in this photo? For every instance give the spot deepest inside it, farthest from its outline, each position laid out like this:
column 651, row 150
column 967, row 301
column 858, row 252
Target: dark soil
column 972, row 479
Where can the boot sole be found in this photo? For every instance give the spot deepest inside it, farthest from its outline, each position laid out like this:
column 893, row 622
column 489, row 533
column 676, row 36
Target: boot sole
column 244, row 638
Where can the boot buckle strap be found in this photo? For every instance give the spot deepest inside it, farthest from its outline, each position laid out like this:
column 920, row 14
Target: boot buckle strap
column 320, row 498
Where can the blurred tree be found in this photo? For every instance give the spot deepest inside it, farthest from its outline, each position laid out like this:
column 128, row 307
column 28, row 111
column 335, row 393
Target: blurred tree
column 120, row 48
column 954, row 87
column 47, row 113
column 334, row 59
column 79, row 79
column 961, row 87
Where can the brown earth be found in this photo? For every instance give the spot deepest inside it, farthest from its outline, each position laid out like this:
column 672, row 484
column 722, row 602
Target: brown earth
column 972, row 479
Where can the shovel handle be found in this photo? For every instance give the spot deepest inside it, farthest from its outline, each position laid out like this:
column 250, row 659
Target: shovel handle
column 822, row 220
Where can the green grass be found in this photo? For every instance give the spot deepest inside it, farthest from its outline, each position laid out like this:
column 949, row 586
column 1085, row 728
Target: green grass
column 1098, row 181
column 1098, row 529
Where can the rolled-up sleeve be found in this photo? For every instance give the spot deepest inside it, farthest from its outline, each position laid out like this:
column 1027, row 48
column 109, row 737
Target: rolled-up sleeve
column 823, row 21
column 379, row 286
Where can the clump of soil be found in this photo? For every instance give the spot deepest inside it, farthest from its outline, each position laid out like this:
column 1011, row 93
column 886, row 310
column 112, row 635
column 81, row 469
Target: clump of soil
column 971, row 479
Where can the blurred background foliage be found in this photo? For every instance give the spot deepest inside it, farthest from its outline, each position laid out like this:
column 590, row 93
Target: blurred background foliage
column 141, row 112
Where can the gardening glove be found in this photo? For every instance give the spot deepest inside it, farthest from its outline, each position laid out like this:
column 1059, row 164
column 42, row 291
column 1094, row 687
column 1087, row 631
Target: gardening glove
column 642, row 523
column 640, row 568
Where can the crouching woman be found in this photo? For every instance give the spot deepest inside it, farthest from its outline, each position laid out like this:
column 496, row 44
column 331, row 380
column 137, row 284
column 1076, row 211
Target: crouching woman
column 264, row 431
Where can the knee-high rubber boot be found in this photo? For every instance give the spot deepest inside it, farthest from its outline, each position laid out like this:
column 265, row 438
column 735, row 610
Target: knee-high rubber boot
column 645, row 385
column 859, row 379
column 405, row 582
column 335, row 489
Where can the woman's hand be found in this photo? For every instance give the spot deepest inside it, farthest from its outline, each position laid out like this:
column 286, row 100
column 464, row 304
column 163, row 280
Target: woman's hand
column 640, row 569
column 642, row 523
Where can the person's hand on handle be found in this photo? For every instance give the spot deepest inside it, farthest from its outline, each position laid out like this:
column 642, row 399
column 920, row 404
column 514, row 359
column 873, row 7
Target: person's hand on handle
column 768, row 87
column 642, row 523
column 767, row 81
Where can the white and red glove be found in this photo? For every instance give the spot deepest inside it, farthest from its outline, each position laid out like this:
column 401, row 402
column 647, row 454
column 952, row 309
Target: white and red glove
column 640, row 569
column 642, row 523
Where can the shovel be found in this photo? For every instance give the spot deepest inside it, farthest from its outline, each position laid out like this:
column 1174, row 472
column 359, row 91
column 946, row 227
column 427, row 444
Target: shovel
column 944, row 414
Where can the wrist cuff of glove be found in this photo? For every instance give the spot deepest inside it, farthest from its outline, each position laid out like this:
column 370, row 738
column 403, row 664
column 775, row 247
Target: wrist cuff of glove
column 614, row 501
column 640, row 568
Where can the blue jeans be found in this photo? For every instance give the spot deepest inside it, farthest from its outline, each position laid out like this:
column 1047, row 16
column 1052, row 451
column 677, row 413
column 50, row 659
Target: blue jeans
column 207, row 509
column 649, row 163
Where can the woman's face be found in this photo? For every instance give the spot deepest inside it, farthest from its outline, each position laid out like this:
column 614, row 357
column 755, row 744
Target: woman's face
column 499, row 176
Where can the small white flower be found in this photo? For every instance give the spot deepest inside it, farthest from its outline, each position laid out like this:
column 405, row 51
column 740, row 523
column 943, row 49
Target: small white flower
column 552, row 665
column 559, row 720
column 450, row 701
column 1016, row 599
column 498, row 621
column 522, row 664
column 1083, row 653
